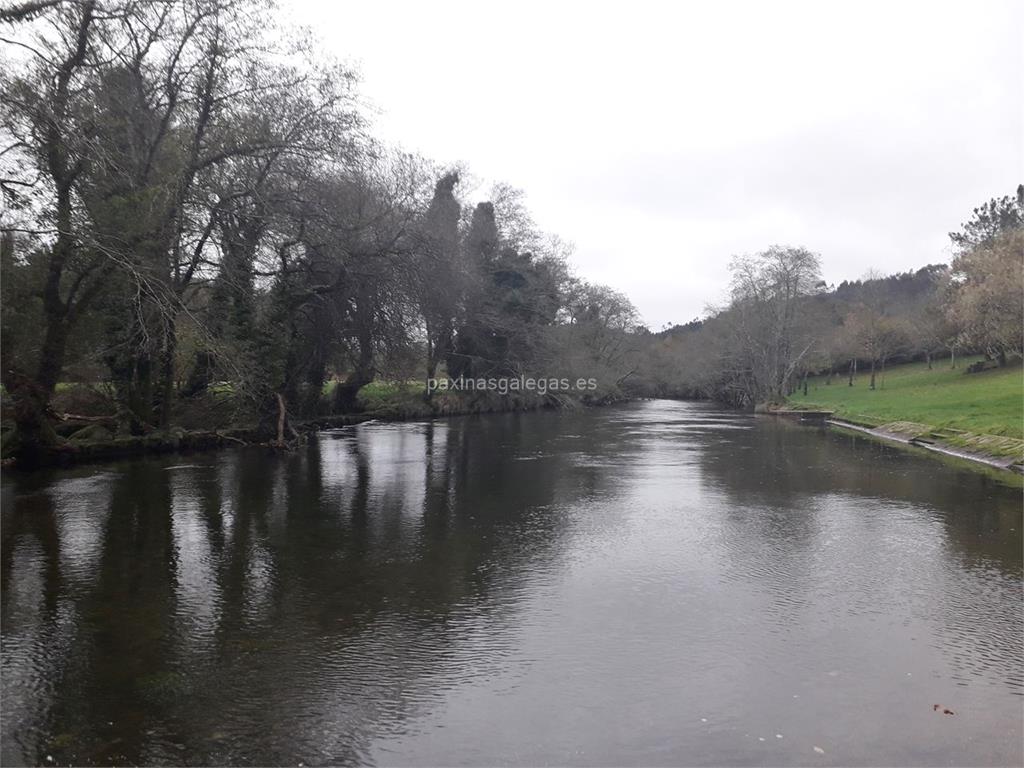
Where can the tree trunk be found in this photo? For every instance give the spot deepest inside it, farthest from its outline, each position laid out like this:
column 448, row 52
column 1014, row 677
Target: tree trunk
column 201, row 376
column 872, row 385
column 51, row 356
column 315, row 385
column 439, row 345
column 30, row 396
column 346, row 393
column 281, row 417
column 432, row 361
column 139, row 393
column 928, row 357
column 167, row 374
column 34, row 436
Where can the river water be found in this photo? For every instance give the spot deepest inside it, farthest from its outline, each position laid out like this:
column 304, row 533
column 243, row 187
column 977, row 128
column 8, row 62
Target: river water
column 660, row 583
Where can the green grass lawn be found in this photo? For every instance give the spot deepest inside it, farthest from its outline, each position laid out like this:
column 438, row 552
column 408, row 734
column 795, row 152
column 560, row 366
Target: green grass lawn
column 382, row 394
column 990, row 402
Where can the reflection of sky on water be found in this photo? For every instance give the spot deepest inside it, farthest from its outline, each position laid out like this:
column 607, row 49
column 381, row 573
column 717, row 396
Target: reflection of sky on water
column 639, row 584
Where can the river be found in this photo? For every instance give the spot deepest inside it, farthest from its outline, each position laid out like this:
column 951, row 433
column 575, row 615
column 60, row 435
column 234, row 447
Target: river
column 657, row 583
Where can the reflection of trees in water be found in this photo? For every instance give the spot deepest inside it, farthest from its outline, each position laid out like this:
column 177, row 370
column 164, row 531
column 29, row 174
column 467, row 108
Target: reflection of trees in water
column 818, row 518
column 280, row 608
column 257, row 607
column 119, row 612
column 31, row 585
column 32, row 518
column 782, row 464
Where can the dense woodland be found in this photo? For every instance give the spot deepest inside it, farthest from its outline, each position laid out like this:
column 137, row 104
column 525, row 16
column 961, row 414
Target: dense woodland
column 200, row 230
column 191, row 203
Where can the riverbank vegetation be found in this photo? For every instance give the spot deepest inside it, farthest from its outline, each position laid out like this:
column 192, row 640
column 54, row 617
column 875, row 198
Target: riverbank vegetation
column 200, row 228
column 200, row 232
column 785, row 328
column 933, row 354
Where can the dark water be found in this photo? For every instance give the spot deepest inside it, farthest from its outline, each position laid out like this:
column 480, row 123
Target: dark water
column 655, row 584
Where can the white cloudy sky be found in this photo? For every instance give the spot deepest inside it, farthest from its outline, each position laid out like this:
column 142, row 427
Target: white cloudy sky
column 663, row 137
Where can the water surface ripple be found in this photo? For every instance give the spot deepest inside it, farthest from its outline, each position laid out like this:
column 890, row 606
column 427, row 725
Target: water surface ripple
column 660, row 583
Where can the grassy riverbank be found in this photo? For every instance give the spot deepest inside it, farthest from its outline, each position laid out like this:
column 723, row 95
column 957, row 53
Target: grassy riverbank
column 982, row 411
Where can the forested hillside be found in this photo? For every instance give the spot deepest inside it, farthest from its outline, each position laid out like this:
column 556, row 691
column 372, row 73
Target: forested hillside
column 783, row 323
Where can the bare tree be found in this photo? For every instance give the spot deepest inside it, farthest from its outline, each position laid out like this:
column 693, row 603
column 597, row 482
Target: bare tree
column 767, row 333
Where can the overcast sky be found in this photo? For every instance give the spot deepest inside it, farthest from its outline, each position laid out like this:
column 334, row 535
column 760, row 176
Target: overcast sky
column 662, row 138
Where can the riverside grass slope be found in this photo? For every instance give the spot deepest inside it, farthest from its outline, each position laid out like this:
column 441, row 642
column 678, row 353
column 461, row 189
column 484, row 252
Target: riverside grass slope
column 977, row 412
